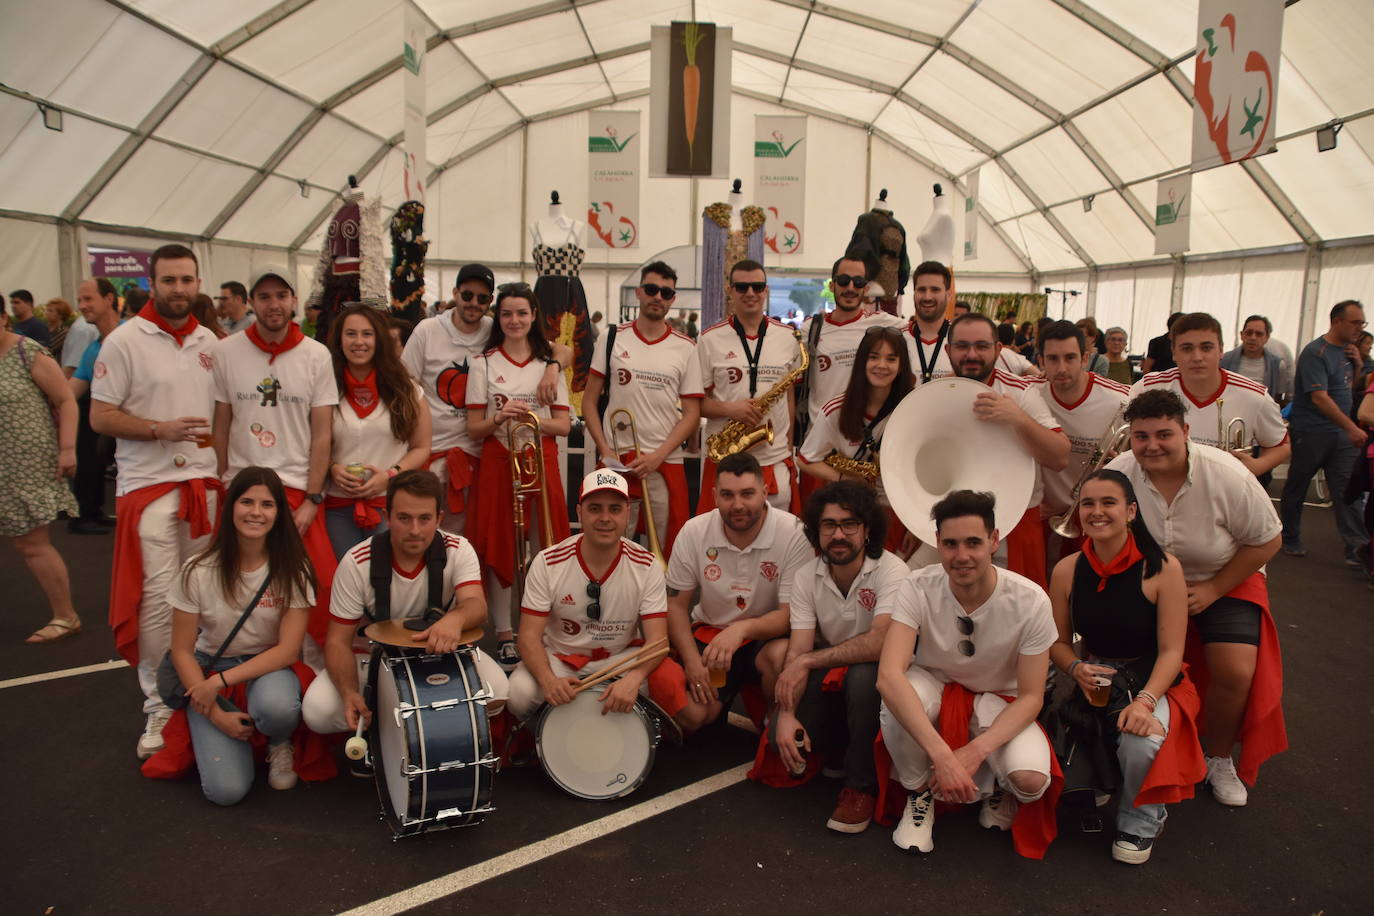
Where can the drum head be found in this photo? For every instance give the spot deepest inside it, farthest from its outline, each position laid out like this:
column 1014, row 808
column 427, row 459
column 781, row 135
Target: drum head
column 594, row 756
column 395, row 633
column 391, row 749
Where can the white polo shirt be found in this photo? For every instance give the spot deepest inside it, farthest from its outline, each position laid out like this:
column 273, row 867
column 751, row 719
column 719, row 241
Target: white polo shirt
column 818, row 605
column 143, row 372
column 736, row 584
column 1220, row 508
column 649, row 378
column 495, row 379
column 632, row 590
column 271, row 403
column 1015, row 621
column 1238, row 396
column 364, row 440
column 933, row 349
column 725, row 374
column 352, row 591
column 1085, row 422
column 200, row 593
column 439, row 356
column 833, row 358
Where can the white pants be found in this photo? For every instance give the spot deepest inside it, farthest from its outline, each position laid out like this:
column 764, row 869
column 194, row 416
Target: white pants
column 165, row 545
column 782, row 500
column 453, row 522
column 1028, row 750
column 323, row 710
column 526, row 696
column 657, row 489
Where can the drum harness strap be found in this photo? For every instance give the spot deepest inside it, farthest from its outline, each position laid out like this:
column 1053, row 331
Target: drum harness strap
column 379, row 575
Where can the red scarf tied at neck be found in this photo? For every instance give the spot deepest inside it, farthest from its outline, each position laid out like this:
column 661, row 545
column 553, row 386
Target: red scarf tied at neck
column 361, row 394
column 273, row 350
column 149, row 312
column 1128, row 557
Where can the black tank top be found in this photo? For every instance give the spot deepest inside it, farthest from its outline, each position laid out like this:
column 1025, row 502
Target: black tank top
column 1118, row 622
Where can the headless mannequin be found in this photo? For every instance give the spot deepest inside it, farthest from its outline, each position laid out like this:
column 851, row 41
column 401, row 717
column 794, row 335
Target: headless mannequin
column 936, row 238
column 557, row 228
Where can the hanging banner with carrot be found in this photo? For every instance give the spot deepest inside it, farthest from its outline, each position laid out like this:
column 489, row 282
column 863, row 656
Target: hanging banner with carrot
column 689, row 89
column 780, row 179
column 613, row 179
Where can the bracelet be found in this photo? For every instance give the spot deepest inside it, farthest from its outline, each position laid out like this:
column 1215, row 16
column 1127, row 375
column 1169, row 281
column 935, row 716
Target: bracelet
column 393, row 471
column 1069, row 670
column 1148, row 698
column 152, row 431
column 223, row 680
column 554, row 362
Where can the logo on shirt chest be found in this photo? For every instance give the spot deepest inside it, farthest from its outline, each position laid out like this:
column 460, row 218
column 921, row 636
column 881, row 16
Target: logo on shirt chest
column 711, row 572
column 499, row 400
column 868, row 599
column 823, row 362
column 769, row 570
column 623, row 376
column 571, row 627
column 567, row 600
column 734, row 375
column 207, row 362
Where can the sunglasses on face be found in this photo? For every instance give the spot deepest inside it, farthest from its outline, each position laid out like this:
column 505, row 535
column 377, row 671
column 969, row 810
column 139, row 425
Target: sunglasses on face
column 843, row 280
column 746, row 287
column 966, row 647
column 653, row 289
column 594, row 593
column 468, row 295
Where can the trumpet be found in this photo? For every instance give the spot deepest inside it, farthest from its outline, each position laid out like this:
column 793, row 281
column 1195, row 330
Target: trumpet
column 1232, row 436
column 628, row 423
column 1066, row 524
column 526, row 450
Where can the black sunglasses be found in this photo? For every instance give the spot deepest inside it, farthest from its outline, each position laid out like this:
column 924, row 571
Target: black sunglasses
column 745, row 287
column 468, row 295
column 843, row 280
column 594, row 593
column 966, row 647
column 653, row 289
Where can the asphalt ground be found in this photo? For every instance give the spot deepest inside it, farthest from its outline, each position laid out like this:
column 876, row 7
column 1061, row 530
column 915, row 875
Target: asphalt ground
column 84, row 832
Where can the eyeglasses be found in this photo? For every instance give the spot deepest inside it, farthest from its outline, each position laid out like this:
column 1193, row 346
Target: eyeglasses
column 594, row 593
column 843, row 280
column 848, row 525
column 746, row 287
column 653, row 289
column 966, row 647
column 468, row 295
column 982, row 346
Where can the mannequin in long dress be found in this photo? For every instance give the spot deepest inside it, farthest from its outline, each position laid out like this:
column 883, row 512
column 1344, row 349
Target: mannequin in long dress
column 730, row 232
column 879, row 236
column 559, row 249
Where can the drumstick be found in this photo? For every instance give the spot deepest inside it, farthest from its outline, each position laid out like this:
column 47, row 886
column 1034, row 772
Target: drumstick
column 654, row 650
column 355, row 748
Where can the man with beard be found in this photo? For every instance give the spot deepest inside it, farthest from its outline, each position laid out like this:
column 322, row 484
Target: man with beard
column 275, row 394
column 152, row 390
column 926, row 335
column 743, row 558
column 1012, row 401
column 653, row 372
column 827, row 690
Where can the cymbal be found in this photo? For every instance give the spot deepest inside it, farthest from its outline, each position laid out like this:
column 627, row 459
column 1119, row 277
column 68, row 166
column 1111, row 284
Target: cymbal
column 394, row 633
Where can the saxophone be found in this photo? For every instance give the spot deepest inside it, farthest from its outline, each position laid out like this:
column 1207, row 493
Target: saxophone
column 868, row 470
column 738, row 436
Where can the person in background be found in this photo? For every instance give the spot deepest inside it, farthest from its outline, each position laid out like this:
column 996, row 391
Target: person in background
column 80, row 334
column 961, row 308
column 98, row 302
column 1118, row 361
column 134, row 299
column 1010, row 359
column 1024, row 334
column 204, row 309
column 24, row 322
column 231, row 305
column 1365, row 370
column 1093, row 357
column 1159, row 355
column 59, row 316
column 1031, row 350
column 1253, row 359
column 692, row 330
column 312, row 317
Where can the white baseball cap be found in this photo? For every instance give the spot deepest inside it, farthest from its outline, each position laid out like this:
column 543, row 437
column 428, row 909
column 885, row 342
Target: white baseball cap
column 271, row 270
column 603, row 479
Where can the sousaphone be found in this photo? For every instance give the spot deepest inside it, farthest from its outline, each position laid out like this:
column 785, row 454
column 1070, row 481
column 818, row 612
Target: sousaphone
column 933, row 444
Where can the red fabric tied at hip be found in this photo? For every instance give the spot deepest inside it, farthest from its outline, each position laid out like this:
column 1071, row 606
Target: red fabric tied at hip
column 367, row 513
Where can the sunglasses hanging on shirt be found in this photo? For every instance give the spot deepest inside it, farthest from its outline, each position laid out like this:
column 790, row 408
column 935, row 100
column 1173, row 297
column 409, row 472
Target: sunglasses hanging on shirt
column 966, row 646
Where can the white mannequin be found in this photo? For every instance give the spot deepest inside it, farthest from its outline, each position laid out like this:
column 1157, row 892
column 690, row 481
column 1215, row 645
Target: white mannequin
column 736, row 201
column 558, row 229
column 937, row 237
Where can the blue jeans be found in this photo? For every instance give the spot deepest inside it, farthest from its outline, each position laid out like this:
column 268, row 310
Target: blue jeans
column 1331, row 451
column 343, row 533
column 1136, row 755
column 226, row 764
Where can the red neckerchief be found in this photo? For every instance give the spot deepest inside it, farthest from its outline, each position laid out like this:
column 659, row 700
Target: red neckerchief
column 362, row 395
column 1128, row 557
column 273, row 350
column 149, row 313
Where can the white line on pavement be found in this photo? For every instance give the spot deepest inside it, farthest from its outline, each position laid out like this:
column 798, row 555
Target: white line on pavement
column 66, row 672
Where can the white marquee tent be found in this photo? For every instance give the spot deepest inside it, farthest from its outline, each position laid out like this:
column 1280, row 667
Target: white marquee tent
column 199, row 120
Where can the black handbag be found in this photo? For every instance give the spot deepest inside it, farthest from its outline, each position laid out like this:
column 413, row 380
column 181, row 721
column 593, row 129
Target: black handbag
column 169, row 685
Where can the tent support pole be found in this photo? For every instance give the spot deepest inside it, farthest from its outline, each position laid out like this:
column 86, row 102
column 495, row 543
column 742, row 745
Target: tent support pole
column 524, row 196
column 1311, row 290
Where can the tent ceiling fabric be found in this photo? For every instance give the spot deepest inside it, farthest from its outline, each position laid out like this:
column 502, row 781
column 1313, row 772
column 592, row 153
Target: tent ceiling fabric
column 203, row 117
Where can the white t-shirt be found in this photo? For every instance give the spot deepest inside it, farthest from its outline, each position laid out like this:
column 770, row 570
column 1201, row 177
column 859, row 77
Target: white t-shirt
column 143, row 372
column 1013, row 362
column 649, row 378
column 556, row 588
column 364, row 440
column 352, row 590
column 1015, row 621
column 1237, row 397
column 916, row 346
column 1220, row 507
column 1253, row 369
column 736, row 584
column 495, row 379
column 818, row 605
column 200, row 593
column 271, row 403
column 438, row 356
column 825, row 437
column 833, row 358
column 725, row 372
column 1085, row 422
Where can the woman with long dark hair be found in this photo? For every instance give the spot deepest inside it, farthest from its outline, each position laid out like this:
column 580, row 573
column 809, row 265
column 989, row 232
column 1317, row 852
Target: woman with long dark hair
column 381, row 425
column 256, row 548
column 503, row 386
column 1127, row 599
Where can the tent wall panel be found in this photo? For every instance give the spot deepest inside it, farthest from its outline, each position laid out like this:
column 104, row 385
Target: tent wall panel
column 1347, row 273
column 30, row 260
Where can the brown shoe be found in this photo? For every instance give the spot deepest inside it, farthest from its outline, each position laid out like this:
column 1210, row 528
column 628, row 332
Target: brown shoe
column 852, row 813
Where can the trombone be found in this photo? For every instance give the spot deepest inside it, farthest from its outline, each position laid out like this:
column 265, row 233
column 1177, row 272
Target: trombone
column 628, row 423
column 525, row 447
column 1066, row 524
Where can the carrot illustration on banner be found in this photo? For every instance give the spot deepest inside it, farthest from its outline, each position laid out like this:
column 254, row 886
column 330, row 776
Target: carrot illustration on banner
column 691, row 87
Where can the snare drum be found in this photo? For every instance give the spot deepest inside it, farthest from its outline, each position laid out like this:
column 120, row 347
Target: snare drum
column 594, row 756
column 429, row 740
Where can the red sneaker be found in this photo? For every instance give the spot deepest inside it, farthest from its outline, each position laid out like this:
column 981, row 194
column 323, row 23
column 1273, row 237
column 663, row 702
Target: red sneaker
column 852, row 813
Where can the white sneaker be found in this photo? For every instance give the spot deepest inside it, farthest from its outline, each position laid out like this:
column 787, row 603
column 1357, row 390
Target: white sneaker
column 1226, row 785
column 998, row 811
column 281, row 766
column 150, row 742
column 916, row 828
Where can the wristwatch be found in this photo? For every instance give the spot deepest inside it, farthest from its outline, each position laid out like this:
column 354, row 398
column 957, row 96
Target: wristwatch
column 315, row 498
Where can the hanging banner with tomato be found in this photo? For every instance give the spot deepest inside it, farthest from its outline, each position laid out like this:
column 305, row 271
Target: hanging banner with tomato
column 780, row 179
column 689, row 100
column 613, row 148
column 1235, row 80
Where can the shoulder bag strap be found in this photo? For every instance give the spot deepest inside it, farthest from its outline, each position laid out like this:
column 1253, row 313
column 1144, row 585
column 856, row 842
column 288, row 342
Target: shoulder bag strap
column 243, row 618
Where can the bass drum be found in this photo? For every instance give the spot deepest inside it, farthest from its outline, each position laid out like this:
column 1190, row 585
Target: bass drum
column 594, row 756
column 430, row 743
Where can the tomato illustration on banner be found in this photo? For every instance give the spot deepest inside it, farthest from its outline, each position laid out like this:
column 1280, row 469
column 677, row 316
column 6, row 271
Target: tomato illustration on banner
column 780, row 179
column 1235, row 80
column 790, row 232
